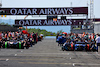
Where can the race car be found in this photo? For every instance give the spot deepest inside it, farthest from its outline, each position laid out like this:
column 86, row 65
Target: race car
column 80, row 46
column 13, row 44
column 68, row 47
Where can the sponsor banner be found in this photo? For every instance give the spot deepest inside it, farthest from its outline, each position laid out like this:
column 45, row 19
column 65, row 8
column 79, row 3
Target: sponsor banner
column 44, row 11
column 59, row 22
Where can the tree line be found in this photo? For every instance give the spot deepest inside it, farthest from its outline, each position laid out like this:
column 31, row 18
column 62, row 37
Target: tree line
column 39, row 31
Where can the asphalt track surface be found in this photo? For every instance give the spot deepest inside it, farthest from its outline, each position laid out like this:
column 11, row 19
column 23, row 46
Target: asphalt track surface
column 48, row 54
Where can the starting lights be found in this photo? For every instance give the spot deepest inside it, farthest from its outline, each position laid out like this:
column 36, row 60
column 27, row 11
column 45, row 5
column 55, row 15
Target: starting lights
column 4, row 15
column 54, row 18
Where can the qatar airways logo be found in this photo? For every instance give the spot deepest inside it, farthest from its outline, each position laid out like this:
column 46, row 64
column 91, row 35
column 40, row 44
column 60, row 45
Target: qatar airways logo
column 43, row 22
column 40, row 11
column 45, row 11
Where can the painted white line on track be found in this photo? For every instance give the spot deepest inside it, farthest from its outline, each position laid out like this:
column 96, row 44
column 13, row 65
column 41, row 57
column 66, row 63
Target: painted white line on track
column 48, row 53
column 97, row 53
column 67, row 53
column 15, row 54
column 73, row 64
column 94, row 64
column 21, row 51
column 70, row 58
column 58, row 54
column 7, row 59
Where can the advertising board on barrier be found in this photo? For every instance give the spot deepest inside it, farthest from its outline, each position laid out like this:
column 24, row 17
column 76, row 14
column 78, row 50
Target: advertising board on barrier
column 35, row 22
column 44, row 11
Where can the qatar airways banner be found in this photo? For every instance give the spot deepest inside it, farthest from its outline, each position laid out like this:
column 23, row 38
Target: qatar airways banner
column 44, row 11
column 59, row 22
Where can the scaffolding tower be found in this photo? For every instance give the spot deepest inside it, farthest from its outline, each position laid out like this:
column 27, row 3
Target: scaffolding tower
column 92, row 14
column 91, row 9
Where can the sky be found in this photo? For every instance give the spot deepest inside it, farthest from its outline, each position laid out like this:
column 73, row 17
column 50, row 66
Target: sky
column 49, row 3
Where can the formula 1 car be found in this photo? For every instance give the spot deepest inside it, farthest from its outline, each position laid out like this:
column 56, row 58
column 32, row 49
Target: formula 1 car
column 68, row 47
column 13, row 44
column 80, row 46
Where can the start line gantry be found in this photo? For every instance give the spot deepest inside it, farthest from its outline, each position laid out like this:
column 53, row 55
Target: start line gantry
column 47, row 11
